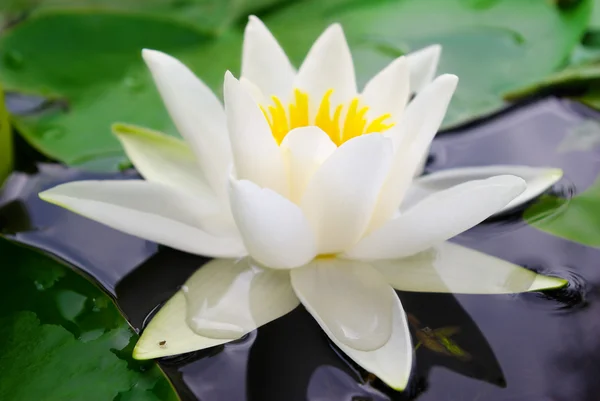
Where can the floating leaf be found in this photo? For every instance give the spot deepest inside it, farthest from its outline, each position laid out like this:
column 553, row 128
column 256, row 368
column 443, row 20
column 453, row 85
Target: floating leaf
column 576, row 219
column 6, row 146
column 63, row 339
column 493, row 46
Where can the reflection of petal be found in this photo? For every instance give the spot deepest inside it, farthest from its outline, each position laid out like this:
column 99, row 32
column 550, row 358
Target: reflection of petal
column 228, row 298
column 538, row 180
column 168, row 333
column 452, row 268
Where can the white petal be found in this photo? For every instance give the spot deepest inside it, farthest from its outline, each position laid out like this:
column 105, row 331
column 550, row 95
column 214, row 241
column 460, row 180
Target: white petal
column 339, row 200
column 328, row 65
column 423, row 65
column 169, row 334
column 304, row 150
column 388, row 91
column 151, row 211
column 452, row 268
column 349, row 298
column 439, row 217
column 538, row 180
column 196, row 112
column 256, row 155
column 163, row 159
column 392, row 361
column 274, row 230
column 412, row 138
column 264, row 62
column 228, row 298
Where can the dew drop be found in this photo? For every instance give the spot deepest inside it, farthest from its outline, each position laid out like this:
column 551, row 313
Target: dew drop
column 13, row 60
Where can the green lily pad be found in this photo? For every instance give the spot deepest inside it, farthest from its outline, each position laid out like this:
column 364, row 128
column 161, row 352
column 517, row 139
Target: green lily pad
column 91, row 62
column 6, row 147
column 576, row 219
column 210, row 16
column 63, row 339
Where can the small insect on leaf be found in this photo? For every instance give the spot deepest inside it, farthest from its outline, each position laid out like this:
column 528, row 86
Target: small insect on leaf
column 162, row 344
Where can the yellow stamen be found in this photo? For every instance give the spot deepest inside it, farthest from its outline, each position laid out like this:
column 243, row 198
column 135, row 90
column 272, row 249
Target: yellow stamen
column 354, row 124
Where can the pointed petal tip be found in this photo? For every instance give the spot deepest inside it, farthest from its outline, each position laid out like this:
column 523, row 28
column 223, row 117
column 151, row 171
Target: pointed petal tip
column 542, row 283
column 151, row 56
column 555, row 174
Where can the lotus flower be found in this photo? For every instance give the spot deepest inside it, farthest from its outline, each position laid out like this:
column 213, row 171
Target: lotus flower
column 299, row 187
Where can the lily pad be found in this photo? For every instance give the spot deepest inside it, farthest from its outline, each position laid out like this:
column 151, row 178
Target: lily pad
column 63, row 339
column 91, row 62
column 576, row 219
column 6, row 147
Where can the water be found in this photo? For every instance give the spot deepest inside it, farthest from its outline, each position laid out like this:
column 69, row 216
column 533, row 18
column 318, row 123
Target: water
column 524, row 347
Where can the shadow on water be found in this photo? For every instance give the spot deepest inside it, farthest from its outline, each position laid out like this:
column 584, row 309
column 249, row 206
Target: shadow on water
column 525, row 347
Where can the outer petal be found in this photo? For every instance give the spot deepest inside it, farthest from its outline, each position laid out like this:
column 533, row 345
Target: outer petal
column 149, row 210
column 274, row 230
column 264, row 62
column 304, row 150
column 163, row 159
column 538, row 180
column 423, row 65
column 228, row 298
column 328, row 65
column 412, row 139
column 392, row 361
column 196, row 112
column 339, row 199
column 169, row 334
column 439, row 217
column 388, row 91
column 256, row 154
column 452, row 268
column 349, row 298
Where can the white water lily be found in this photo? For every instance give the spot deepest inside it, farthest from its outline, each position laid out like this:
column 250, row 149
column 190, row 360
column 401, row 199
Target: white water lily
column 297, row 186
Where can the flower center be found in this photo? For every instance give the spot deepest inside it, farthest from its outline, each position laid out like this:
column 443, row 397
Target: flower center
column 353, row 124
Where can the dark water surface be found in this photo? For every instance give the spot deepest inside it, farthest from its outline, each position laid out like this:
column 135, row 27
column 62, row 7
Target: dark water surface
column 527, row 347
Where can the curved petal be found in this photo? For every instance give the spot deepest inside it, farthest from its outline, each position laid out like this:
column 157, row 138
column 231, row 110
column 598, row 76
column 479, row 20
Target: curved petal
column 392, row 361
column 349, row 298
column 538, row 180
column 304, row 150
column 228, row 298
column 452, row 268
column 439, row 217
column 423, row 65
column 339, row 200
column 274, row 230
column 328, row 65
column 197, row 114
column 264, row 62
column 412, row 138
column 256, row 155
column 151, row 211
column 169, row 334
column 388, row 91
column 163, row 159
